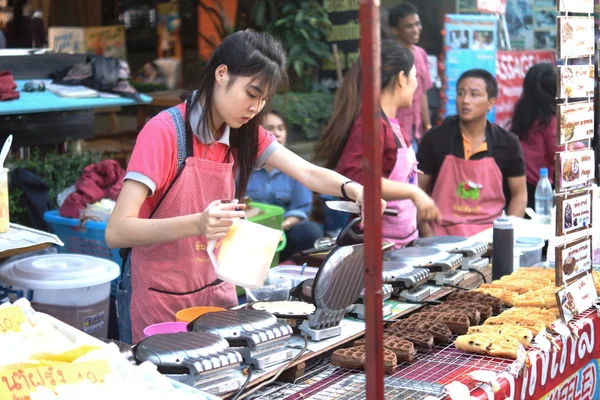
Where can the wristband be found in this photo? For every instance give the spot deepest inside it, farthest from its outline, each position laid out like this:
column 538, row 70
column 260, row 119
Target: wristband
column 343, row 190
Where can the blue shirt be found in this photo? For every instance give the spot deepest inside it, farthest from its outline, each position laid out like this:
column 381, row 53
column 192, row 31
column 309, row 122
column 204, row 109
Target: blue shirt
column 276, row 188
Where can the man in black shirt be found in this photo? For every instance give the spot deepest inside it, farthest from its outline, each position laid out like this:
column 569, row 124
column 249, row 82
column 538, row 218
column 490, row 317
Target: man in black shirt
column 472, row 168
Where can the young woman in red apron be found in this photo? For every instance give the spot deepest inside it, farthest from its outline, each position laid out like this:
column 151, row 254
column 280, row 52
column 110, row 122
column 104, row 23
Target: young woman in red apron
column 344, row 134
column 179, row 186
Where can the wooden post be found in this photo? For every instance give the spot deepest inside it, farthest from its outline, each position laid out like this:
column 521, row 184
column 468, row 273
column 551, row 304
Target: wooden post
column 370, row 49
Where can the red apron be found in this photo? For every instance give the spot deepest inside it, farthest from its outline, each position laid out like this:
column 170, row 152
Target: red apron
column 469, row 194
column 169, row 277
column 402, row 229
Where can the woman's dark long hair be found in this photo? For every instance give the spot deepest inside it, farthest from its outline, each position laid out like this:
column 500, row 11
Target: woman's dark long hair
column 537, row 104
column 346, row 109
column 246, row 54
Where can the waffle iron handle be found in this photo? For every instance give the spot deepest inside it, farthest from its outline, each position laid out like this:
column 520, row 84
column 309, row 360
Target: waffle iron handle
column 351, row 233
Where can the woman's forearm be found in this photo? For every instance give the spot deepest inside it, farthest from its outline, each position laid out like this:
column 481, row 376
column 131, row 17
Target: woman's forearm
column 132, row 231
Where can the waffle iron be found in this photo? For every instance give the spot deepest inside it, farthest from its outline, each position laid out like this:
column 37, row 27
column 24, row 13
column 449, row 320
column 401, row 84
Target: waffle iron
column 471, row 250
column 440, row 263
column 359, row 309
column 197, row 359
column 256, row 335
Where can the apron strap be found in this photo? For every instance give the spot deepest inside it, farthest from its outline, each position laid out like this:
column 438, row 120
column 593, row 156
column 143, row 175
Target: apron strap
column 387, row 121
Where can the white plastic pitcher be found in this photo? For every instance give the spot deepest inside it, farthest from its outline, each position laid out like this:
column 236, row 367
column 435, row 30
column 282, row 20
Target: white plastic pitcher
column 245, row 254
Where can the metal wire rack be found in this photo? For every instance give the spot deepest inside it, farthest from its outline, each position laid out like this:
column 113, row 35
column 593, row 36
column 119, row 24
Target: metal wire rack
column 424, row 377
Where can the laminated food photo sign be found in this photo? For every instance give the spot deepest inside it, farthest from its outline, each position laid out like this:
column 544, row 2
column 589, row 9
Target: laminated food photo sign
column 576, row 81
column 576, row 6
column 576, row 297
column 573, row 213
column 574, row 169
column 575, row 122
column 573, row 260
column 575, row 37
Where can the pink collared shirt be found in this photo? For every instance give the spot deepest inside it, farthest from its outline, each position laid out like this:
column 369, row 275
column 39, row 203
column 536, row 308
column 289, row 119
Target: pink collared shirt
column 410, row 117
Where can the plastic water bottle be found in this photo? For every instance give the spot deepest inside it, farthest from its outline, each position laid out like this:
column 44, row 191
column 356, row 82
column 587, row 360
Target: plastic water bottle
column 544, row 197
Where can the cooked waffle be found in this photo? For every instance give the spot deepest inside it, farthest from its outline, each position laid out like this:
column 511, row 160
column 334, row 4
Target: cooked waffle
column 490, row 344
column 356, row 358
column 536, row 326
column 546, row 316
column 457, row 322
column 523, row 335
column 531, row 299
column 506, row 296
column 477, row 297
column 440, row 332
column 363, row 341
column 471, row 313
column 485, row 311
column 423, row 341
column 402, row 348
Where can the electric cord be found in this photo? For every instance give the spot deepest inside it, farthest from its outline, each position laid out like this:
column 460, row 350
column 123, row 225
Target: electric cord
column 480, row 273
column 270, row 381
column 248, row 379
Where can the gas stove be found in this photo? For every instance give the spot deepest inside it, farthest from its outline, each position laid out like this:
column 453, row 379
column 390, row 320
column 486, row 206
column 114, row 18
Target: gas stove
column 201, row 360
column 256, row 335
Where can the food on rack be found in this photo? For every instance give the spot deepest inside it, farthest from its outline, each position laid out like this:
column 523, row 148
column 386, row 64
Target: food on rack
column 546, row 316
column 522, row 334
column 536, row 326
column 356, row 358
column 490, row 344
column 506, row 296
column 531, row 299
column 285, row 307
column 571, row 170
column 423, row 341
column 440, row 332
column 569, row 265
column 477, row 297
column 485, row 311
column 403, row 349
column 456, row 321
column 471, row 312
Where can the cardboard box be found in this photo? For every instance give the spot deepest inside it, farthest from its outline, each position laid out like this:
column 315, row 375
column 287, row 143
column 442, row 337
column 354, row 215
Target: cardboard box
column 108, row 41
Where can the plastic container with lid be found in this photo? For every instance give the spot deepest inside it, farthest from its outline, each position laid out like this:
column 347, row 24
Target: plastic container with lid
column 73, row 288
column 274, row 289
column 295, row 273
column 530, row 249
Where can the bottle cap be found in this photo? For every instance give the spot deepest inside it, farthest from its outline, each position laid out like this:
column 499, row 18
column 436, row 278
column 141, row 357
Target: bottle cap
column 543, row 172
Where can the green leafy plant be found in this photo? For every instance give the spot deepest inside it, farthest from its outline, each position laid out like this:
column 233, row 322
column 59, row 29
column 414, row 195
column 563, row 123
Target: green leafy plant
column 306, row 113
column 59, row 171
column 302, row 26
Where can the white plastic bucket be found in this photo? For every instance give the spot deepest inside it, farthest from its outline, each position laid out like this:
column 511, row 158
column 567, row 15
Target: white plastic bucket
column 73, row 288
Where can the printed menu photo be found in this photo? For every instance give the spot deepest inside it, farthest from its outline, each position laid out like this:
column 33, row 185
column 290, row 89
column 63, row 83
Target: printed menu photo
column 573, row 259
column 573, row 213
column 576, row 297
column 576, row 122
column 575, row 37
column 574, row 169
column 576, row 6
column 576, row 81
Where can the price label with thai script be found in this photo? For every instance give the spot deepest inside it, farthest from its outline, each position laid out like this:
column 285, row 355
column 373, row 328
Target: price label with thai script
column 573, row 213
column 11, row 319
column 19, row 383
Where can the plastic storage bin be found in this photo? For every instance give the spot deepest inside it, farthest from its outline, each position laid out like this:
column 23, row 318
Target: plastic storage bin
column 71, row 287
column 295, row 273
column 530, row 250
column 88, row 239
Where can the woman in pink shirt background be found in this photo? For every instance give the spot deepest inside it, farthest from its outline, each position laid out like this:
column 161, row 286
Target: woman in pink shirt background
column 534, row 122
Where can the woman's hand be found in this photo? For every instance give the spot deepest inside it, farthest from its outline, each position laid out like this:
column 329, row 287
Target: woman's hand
column 214, row 222
column 356, row 191
column 426, row 207
column 290, row 222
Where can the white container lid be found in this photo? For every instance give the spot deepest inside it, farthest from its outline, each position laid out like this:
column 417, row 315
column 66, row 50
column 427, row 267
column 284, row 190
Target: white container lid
column 59, row 271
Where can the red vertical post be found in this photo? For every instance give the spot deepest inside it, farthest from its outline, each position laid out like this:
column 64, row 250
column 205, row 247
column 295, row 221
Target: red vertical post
column 370, row 59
